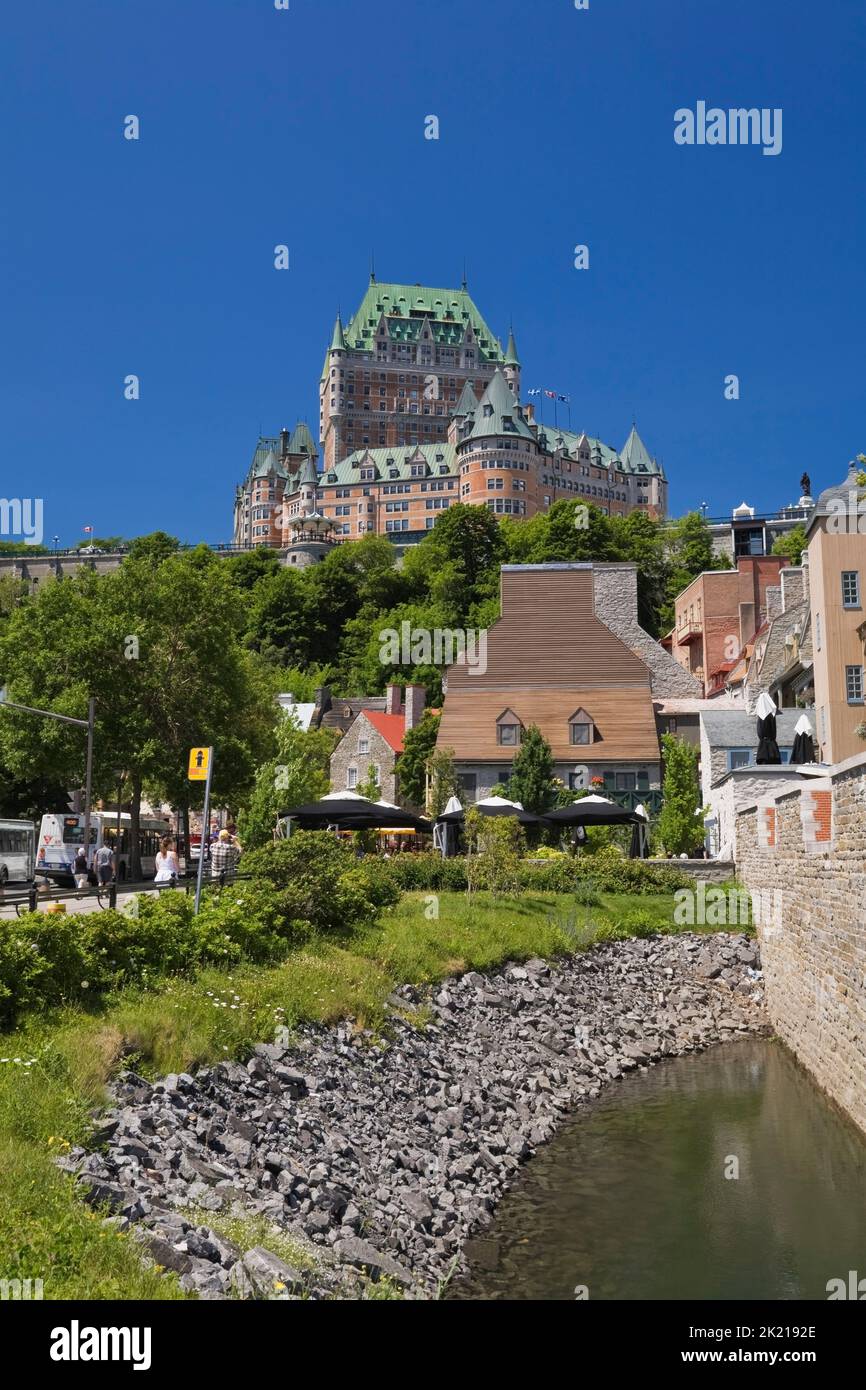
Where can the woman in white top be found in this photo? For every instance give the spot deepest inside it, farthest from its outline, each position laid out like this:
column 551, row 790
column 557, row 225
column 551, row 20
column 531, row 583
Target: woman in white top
column 166, row 862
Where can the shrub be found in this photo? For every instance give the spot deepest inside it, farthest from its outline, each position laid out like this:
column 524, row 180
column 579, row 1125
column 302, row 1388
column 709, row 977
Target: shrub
column 321, row 880
column 415, row 872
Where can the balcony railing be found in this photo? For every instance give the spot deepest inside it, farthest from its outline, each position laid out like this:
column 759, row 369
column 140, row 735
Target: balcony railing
column 689, row 632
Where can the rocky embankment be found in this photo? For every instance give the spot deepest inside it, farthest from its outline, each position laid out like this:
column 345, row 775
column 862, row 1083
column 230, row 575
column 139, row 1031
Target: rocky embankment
column 384, row 1159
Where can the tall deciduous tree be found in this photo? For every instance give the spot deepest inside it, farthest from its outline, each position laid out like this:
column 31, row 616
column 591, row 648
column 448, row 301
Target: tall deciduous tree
column 157, row 644
column 680, row 824
column 299, row 772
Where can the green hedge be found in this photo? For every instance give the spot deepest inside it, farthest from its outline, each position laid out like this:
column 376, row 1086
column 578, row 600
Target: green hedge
column 309, row 886
column 606, row 870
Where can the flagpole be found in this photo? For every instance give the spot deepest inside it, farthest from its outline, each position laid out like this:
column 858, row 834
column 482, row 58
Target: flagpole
column 555, row 416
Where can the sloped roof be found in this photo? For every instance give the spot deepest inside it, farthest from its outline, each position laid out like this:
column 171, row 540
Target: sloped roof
column 406, row 308
column 301, row 441
column 498, row 413
column 623, row 718
column 398, row 457
column 468, row 401
column 392, row 727
column 738, row 728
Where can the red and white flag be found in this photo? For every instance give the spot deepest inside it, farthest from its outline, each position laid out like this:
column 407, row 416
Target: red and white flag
column 551, row 394
column 88, row 530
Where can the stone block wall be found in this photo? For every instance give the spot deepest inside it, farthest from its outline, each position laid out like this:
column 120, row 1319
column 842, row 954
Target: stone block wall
column 808, row 846
column 615, row 597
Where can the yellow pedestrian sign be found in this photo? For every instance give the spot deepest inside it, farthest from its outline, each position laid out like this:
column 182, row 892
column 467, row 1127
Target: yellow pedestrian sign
column 199, row 764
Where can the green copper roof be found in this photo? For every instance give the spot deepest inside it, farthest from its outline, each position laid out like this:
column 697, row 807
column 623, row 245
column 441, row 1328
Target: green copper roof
column 307, row 472
column 468, row 401
column 635, row 455
column 337, row 339
column 301, row 441
column 394, row 464
column 498, row 413
column 407, row 308
column 266, row 460
column 511, row 358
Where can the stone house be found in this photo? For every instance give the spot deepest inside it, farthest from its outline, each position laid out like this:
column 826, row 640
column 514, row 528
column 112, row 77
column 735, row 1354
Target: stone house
column 374, row 738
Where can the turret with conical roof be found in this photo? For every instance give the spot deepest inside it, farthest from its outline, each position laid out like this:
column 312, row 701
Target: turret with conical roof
column 498, row 413
column 512, row 364
column 338, row 341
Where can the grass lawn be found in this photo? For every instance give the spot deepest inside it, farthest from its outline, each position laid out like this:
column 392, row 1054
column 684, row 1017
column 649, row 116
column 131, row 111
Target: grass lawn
column 50, row 1093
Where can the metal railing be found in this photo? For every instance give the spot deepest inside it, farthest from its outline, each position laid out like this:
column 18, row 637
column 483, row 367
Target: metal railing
column 29, row 897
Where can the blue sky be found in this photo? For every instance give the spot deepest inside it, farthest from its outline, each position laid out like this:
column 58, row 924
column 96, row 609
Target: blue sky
column 306, row 127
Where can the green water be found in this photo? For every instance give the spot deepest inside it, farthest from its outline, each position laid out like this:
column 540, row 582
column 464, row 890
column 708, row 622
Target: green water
column 631, row 1199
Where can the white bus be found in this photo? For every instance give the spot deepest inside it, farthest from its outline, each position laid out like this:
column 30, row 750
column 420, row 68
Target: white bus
column 61, row 835
column 17, row 851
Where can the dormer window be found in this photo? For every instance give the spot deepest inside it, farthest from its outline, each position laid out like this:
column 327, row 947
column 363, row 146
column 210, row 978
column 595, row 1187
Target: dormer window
column 368, row 474
column 488, row 411
column 508, row 729
column 581, row 729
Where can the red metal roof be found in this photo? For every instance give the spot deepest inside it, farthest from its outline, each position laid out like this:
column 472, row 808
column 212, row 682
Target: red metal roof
column 390, row 726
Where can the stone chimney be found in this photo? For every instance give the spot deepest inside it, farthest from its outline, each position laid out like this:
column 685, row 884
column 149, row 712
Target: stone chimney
column 416, row 696
column 804, row 570
column 321, row 704
column 393, row 698
column 284, row 443
column 793, row 579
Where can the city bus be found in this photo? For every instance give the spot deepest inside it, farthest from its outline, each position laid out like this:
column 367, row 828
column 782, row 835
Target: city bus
column 17, row 851
column 61, row 835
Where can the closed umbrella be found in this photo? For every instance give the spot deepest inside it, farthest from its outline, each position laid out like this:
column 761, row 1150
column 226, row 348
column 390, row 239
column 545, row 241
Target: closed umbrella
column 639, row 834
column 804, row 744
column 768, row 748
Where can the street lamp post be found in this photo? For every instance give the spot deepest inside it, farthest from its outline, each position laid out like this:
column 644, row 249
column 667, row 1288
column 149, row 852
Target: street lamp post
column 80, row 724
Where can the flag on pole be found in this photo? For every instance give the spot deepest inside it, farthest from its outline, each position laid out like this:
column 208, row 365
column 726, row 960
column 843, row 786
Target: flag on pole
column 534, row 391
column 550, row 394
column 565, row 399
column 88, row 530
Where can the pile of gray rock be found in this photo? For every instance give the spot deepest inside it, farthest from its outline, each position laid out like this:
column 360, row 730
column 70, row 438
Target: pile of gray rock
column 381, row 1158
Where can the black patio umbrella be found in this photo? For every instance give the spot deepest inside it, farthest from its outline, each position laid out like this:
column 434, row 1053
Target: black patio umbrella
column 592, row 810
column 349, row 812
column 768, row 748
column 803, row 750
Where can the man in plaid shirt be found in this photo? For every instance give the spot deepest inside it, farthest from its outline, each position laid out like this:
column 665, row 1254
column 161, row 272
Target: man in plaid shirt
column 224, row 856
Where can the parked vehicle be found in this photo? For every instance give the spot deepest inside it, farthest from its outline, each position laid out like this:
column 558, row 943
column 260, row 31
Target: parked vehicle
column 17, row 851
column 61, row 835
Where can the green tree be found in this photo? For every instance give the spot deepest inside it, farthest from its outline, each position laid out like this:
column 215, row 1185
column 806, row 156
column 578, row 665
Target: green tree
column 791, row 544
column 680, row 824
column 157, row 645
column 155, row 546
column 531, row 781
column 370, row 785
column 299, row 772
column 418, row 744
column 442, row 780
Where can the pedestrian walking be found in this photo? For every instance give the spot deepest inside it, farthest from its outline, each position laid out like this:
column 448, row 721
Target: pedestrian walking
column 79, row 869
column 224, row 856
column 105, row 864
column 167, row 868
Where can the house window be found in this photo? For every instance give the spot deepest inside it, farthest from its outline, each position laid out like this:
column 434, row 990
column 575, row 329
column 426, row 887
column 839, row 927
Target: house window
column 580, row 728
column 854, row 684
column 351, row 778
column 468, row 784
column 850, row 588
column 626, row 782
column 363, row 745
column 508, row 735
column 739, row 757
column 817, row 631
column 672, row 726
